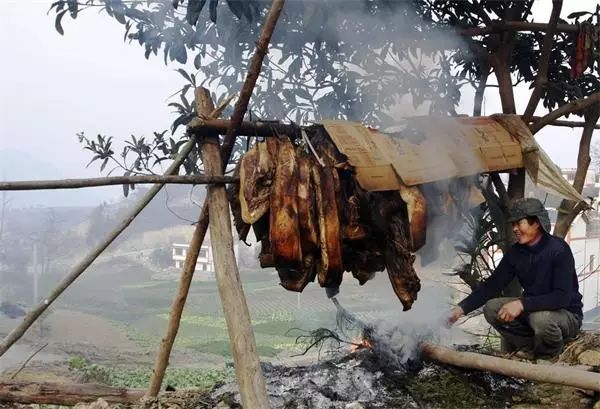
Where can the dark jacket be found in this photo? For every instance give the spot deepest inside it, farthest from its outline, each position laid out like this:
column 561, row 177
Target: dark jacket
column 546, row 271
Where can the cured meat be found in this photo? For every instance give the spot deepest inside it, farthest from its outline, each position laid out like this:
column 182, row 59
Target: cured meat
column 256, row 170
column 233, row 192
column 399, row 263
column 417, row 215
column 307, row 204
column 297, row 279
column 284, row 229
column 319, row 222
column 329, row 265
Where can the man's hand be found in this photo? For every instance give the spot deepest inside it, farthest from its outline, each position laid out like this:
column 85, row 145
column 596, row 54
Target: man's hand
column 455, row 314
column 510, row 311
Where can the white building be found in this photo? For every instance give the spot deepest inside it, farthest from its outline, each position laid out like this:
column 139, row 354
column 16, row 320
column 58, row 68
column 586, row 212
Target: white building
column 205, row 268
column 584, row 240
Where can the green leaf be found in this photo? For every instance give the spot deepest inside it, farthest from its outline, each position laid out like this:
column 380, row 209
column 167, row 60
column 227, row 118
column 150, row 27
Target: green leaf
column 57, row 22
column 213, row 10
column 194, row 8
column 578, row 14
column 184, row 74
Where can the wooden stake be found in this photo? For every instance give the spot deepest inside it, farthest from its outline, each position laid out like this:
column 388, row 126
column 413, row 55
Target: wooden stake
column 34, row 314
column 241, row 336
column 226, row 150
column 189, row 266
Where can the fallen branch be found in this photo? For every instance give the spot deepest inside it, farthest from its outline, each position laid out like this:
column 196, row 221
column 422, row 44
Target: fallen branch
column 114, row 180
column 569, row 108
column 65, row 394
column 559, row 375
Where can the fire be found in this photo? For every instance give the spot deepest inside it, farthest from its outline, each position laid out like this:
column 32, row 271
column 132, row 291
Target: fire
column 360, row 343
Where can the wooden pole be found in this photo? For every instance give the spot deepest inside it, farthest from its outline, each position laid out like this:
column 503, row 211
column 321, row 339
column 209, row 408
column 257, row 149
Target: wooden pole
column 236, row 119
column 559, row 375
column 255, row 128
column 65, row 394
column 113, row 180
column 34, row 314
column 189, row 266
column 253, row 391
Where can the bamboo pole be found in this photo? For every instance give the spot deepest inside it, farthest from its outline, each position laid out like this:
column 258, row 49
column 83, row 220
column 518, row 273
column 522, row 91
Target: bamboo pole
column 189, row 266
column 33, row 315
column 235, row 122
column 559, row 375
column 65, row 394
column 114, row 180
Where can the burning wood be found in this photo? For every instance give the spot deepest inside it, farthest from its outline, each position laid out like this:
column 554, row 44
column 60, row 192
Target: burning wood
column 315, row 221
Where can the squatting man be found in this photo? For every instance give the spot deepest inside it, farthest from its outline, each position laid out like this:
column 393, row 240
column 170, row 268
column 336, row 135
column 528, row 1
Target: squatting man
column 550, row 311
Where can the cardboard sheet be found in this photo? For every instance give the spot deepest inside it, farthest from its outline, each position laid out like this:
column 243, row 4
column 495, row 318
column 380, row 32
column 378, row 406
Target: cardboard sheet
column 438, row 148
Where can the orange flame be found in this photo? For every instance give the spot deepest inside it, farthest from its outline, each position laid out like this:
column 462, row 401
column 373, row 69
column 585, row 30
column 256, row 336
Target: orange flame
column 360, row 343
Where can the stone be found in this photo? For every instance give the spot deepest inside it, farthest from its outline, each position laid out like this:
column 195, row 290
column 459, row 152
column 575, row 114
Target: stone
column 98, row 404
column 354, row 405
column 589, row 357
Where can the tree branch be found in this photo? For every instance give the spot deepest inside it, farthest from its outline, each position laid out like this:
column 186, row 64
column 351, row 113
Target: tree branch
column 568, row 124
column 542, row 77
column 114, row 180
column 566, row 109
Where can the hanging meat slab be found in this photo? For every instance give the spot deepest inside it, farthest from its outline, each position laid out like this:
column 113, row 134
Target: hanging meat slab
column 329, row 265
column 256, row 170
column 284, row 229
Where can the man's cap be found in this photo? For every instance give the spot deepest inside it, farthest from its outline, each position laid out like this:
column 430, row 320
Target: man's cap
column 528, row 207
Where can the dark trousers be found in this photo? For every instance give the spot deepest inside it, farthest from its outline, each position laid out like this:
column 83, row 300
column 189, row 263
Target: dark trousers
column 543, row 332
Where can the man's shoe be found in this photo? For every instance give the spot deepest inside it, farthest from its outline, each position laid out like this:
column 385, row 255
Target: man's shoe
column 546, row 360
column 524, row 354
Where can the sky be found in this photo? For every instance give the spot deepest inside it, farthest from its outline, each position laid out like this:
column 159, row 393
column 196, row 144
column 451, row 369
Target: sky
column 90, row 80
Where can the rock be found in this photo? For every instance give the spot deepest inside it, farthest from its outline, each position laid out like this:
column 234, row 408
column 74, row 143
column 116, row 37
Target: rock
column 589, row 357
column 596, row 405
column 222, row 405
column 98, row 404
column 354, row 405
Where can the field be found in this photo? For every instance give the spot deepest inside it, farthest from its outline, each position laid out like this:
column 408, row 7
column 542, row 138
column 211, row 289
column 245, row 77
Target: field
column 111, row 322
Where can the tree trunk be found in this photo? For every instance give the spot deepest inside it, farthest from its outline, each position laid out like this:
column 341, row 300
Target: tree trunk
column 568, row 209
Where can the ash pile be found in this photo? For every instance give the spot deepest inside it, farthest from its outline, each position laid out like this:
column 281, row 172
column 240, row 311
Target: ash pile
column 365, row 379
column 377, row 365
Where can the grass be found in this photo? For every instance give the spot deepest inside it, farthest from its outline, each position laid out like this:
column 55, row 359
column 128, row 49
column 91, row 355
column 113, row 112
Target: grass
column 139, row 377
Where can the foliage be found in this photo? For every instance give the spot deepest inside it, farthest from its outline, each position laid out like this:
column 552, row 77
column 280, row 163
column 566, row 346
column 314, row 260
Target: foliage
column 325, row 62
column 139, row 377
column 477, row 248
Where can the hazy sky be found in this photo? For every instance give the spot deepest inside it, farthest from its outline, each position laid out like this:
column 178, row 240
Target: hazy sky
column 53, row 86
